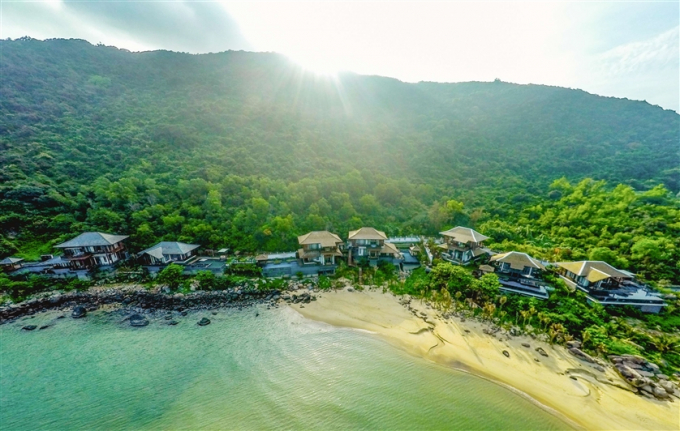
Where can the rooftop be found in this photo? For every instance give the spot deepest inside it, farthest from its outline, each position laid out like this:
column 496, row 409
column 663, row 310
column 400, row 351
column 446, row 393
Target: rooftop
column 594, row 270
column 323, row 237
column 167, row 248
column 518, row 260
column 367, row 233
column 464, row 234
column 92, row 239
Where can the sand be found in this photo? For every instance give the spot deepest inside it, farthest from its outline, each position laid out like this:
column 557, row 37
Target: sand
column 593, row 401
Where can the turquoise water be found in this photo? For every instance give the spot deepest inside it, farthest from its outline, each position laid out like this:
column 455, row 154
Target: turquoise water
column 274, row 371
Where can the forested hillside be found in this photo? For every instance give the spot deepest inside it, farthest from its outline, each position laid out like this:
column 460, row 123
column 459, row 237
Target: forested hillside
column 247, row 150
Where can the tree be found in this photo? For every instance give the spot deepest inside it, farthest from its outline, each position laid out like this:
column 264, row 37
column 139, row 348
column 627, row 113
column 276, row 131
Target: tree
column 171, row 275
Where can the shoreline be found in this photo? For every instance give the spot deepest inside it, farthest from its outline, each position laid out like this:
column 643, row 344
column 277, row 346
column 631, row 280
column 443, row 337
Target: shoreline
column 572, row 390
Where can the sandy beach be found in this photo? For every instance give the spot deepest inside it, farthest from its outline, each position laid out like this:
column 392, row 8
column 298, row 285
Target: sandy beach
column 573, row 390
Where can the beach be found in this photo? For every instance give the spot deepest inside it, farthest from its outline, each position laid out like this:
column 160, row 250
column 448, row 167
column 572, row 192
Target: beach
column 571, row 389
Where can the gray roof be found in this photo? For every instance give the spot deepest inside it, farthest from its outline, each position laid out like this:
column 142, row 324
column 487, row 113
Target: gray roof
column 168, row 247
column 92, row 239
column 10, row 260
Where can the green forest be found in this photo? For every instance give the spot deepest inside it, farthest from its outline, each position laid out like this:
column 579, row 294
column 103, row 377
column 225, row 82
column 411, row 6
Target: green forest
column 247, row 151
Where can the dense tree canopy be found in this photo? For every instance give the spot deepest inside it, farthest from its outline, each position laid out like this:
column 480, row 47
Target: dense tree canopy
column 247, row 150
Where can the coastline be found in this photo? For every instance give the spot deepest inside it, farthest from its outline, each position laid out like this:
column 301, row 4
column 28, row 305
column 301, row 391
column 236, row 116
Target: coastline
column 574, row 391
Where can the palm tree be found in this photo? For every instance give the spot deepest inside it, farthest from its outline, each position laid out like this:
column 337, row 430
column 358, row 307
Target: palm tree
column 489, row 309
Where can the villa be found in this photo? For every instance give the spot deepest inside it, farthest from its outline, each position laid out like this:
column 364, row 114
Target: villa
column 462, row 245
column 520, row 273
column 93, row 249
column 369, row 245
column 606, row 285
column 10, row 264
column 319, row 248
column 166, row 252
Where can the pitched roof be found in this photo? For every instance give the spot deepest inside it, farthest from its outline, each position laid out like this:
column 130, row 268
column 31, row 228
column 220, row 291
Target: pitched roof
column 389, row 248
column 366, row 233
column 323, row 237
column 464, row 234
column 92, row 239
column 169, row 247
column 10, row 260
column 517, row 260
column 593, row 270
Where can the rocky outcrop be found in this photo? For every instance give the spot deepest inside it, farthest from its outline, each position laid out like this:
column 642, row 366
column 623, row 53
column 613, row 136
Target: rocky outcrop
column 79, row 312
column 581, row 355
column 645, row 376
column 137, row 320
column 145, row 301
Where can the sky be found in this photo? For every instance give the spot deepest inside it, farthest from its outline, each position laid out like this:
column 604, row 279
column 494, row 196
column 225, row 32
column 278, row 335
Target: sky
column 610, row 48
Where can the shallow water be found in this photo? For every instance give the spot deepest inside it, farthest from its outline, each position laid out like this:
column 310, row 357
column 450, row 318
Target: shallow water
column 277, row 370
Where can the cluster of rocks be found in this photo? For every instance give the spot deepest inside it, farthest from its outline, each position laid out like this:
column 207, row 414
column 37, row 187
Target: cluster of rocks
column 303, row 298
column 142, row 301
column 645, row 377
column 574, row 347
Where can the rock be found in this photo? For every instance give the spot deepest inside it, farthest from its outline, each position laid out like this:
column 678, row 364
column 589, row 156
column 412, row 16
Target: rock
column 527, row 345
column 655, row 368
column 541, row 351
column 660, row 393
column 350, row 289
column 29, row 327
column 581, row 355
column 467, row 330
column 644, row 373
column 662, row 376
column 573, row 378
column 44, row 327
column 574, row 343
column 173, row 322
column 79, row 312
column 61, row 316
column 537, row 360
column 183, row 313
column 648, row 389
column 168, row 317
column 203, row 322
column 667, row 386
column 137, row 320
column 506, row 353
column 599, row 368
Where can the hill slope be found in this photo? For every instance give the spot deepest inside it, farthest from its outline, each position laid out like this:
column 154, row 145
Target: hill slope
column 251, row 149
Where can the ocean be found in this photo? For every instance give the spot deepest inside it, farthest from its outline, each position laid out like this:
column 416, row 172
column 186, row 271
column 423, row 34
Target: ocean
column 277, row 370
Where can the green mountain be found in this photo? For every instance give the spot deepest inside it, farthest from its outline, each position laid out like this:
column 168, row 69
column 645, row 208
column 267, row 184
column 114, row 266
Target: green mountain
column 247, row 149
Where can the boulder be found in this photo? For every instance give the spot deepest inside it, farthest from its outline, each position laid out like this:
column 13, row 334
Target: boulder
column 79, row 312
column 667, row 386
column 660, row 393
column 574, row 343
column 527, row 345
column 203, row 322
column 44, row 327
column 581, row 355
column 541, row 351
column 662, row 376
column 506, row 353
column 172, row 322
column 138, row 320
column 644, row 373
column 29, row 327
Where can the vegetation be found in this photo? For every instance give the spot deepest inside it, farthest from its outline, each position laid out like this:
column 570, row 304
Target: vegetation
column 563, row 317
column 247, row 150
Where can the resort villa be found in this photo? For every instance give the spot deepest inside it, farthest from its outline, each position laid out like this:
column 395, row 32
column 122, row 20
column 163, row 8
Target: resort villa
column 606, row 285
column 93, row 249
column 319, row 248
column 462, row 245
column 520, row 273
column 166, row 252
column 9, row 264
column 369, row 245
